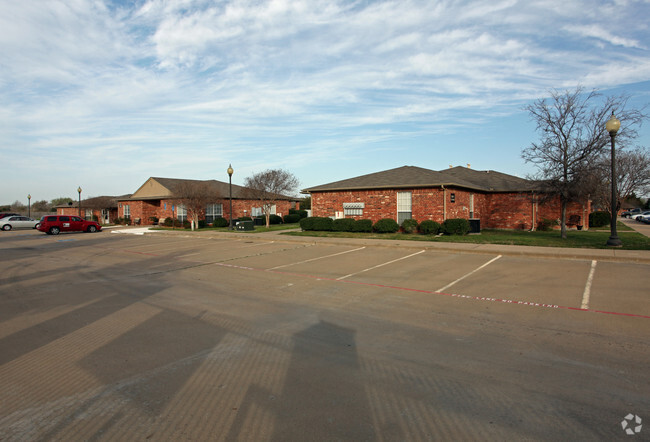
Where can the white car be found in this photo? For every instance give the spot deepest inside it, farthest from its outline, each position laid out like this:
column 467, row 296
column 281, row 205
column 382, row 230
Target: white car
column 18, row 222
column 641, row 216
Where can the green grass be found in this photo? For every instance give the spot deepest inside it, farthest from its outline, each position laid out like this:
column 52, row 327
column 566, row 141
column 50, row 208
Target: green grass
column 258, row 229
column 592, row 239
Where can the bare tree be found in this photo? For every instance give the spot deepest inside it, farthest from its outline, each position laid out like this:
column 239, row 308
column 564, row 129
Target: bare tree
column 269, row 187
column 572, row 130
column 194, row 196
column 633, row 176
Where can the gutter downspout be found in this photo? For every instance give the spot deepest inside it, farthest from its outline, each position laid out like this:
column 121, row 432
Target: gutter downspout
column 444, row 202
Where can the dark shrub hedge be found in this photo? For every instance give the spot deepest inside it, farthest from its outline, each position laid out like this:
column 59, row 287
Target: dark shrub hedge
column 291, row 218
column 343, row 225
column 429, row 227
column 202, row 224
column 274, row 219
column 301, row 213
column 316, row 223
column 244, row 218
column 362, row 225
column 386, row 225
column 599, row 219
column 546, row 224
column 455, row 226
column 409, row 225
column 220, row 222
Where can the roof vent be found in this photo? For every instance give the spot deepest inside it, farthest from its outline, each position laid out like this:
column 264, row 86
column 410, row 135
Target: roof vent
column 450, row 166
column 469, row 166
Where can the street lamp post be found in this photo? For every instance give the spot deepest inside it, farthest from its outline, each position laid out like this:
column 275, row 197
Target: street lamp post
column 29, row 205
column 230, row 172
column 612, row 126
column 79, row 190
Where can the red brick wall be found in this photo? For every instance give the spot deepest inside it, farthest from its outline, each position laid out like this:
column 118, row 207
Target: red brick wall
column 495, row 210
column 161, row 209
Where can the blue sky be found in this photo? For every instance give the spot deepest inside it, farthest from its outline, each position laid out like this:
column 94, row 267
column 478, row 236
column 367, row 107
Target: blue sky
column 105, row 94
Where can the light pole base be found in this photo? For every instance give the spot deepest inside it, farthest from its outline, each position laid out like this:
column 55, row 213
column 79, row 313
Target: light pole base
column 614, row 241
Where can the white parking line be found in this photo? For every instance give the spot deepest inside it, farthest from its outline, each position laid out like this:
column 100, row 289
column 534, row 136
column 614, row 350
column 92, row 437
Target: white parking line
column 380, row 265
column 587, row 292
column 470, row 273
column 315, row 259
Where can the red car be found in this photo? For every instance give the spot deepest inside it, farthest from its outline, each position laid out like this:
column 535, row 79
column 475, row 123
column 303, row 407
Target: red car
column 55, row 224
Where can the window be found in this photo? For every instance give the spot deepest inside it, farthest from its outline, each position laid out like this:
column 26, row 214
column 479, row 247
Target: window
column 181, row 213
column 403, row 206
column 257, row 211
column 353, row 209
column 89, row 214
column 213, row 211
column 127, row 211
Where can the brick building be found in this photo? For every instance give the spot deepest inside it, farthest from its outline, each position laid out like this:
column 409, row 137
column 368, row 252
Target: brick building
column 102, row 209
column 498, row 200
column 156, row 199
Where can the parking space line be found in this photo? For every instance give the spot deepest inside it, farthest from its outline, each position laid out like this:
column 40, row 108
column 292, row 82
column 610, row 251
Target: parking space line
column 587, row 292
column 469, row 274
column 315, row 259
column 380, row 265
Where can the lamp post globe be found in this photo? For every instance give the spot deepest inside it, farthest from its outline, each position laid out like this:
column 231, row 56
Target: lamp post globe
column 79, row 191
column 230, row 172
column 612, row 126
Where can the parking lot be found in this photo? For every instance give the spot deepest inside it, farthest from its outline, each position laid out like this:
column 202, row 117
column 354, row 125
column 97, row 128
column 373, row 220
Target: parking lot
column 204, row 337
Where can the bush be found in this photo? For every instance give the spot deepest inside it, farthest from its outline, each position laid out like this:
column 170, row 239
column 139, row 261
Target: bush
column 316, row 223
column 455, row 226
column 274, row 219
column 599, row 219
column 409, row 225
column 203, row 224
column 291, row 218
column 362, row 225
column 301, row 213
column 244, row 218
column 220, row 222
column 153, row 219
column 386, row 225
column 546, row 224
column 343, row 225
column 429, row 227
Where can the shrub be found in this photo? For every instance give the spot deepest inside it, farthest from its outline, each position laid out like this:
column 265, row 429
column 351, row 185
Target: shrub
column 187, row 224
column 343, row 225
column 386, row 225
column 301, row 213
column 546, row 224
column 203, row 224
column 220, row 222
column 291, row 218
column 362, row 225
column 429, row 227
column 599, row 219
column 409, row 225
column 153, row 219
column 455, row 226
column 574, row 220
column 244, row 218
column 316, row 223
column 274, row 219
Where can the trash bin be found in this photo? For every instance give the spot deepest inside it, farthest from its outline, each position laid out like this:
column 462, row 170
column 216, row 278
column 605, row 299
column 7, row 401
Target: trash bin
column 244, row 225
column 474, row 225
column 259, row 221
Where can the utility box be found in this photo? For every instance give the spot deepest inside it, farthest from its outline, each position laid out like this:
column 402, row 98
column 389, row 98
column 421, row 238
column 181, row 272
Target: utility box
column 474, row 225
column 244, row 225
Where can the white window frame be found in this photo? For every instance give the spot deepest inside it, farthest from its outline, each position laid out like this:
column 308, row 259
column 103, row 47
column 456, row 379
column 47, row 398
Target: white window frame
column 213, row 211
column 127, row 211
column 404, row 206
column 181, row 213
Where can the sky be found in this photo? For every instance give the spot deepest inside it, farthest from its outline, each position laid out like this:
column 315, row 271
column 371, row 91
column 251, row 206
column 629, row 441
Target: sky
column 105, row 94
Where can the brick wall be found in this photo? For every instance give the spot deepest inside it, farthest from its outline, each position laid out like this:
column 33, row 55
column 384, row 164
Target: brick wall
column 495, row 210
column 161, row 209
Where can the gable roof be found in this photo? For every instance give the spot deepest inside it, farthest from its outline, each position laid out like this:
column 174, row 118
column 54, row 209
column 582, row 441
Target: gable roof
column 413, row 177
column 164, row 188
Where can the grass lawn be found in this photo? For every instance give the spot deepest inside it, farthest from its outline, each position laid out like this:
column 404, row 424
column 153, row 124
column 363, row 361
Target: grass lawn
column 592, row 239
column 258, row 229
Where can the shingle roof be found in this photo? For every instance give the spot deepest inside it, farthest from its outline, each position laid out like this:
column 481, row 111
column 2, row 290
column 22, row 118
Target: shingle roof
column 413, row 177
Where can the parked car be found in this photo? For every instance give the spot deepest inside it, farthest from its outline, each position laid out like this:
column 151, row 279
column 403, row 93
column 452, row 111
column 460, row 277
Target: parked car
column 55, row 224
column 631, row 213
column 18, row 222
column 641, row 216
column 4, row 214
